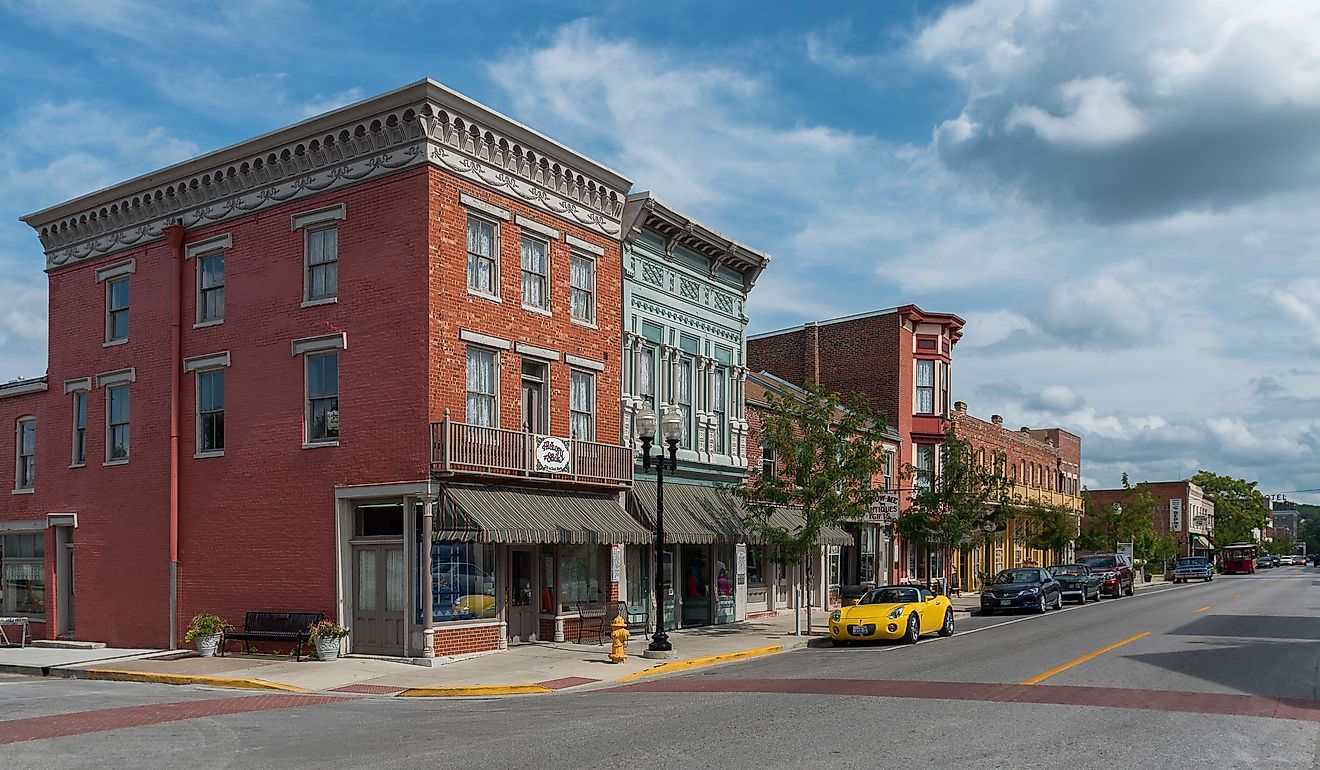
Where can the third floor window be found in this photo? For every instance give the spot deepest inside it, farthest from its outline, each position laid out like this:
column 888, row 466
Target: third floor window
column 211, row 287
column 116, row 309
column 482, row 256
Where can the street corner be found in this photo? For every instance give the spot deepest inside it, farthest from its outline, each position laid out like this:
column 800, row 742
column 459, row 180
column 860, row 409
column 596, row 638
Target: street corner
column 679, row 666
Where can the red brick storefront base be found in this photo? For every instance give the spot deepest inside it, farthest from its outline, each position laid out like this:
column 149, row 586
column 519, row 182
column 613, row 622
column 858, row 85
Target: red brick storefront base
column 461, row 641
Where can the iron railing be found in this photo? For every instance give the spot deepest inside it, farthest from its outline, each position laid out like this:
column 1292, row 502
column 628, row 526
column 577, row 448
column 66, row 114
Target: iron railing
column 458, row 448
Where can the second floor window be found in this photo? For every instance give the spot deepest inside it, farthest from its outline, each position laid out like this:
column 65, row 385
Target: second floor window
column 582, row 287
column 482, row 387
column 889, row 470
column 582, row 405
column 79, row 427
column 685, row 400
column 925, row 464
column 322, row 397
column 769, row 460
column 646, row 375
column 535, row 273
column 925, row 402
column 116, row 309
column 211, row 287
column 322, row 247
column 25, row 476
column 482, row 248
column 211, row 411
column 116, row 402
column 944, row 388
column 719, row 405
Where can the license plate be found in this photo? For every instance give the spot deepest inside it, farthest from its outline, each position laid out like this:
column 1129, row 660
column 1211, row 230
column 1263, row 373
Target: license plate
column 1005, row 602
column 857, row 630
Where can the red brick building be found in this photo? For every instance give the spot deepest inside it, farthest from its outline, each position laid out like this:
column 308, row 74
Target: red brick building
column 278, row 369
column 900, row 359
column 1181, row 509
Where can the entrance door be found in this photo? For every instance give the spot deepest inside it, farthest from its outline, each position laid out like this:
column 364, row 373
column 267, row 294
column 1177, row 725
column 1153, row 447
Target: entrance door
column 782, row 591
column 64, row 581
column 695, row 584
column 533, row 397
column 378, row 607
column 523, row 619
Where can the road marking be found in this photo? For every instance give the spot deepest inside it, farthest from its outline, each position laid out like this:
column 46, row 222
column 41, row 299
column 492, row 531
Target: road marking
column 1037, row 679
column 683, row 665
column 1236, row 596
column 1106, row 603
column 1203, row 609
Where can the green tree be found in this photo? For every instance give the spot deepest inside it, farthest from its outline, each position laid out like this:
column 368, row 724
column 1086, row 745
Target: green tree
column 958, row 506
column 1282, row 544
column 1107, row 525
column 830, row 454
column 1049, row 527
column 1239, row 508
column 1154, row 548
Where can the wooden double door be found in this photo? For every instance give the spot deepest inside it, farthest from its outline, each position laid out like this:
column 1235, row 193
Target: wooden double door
column 379, row 601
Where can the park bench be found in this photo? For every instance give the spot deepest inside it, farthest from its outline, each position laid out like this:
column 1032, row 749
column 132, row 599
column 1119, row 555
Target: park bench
column 274, row 627
column 597, row 617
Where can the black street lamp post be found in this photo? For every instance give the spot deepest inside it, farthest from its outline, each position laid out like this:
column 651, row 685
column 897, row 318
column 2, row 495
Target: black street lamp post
column 671, row 426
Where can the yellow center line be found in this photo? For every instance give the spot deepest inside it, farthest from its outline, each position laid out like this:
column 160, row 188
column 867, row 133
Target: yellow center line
column 1236, row 596
column 1037, row 679
column 1203, row 609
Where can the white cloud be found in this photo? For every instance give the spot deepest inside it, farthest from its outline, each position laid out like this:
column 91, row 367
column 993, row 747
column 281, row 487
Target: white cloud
column 1099, row 114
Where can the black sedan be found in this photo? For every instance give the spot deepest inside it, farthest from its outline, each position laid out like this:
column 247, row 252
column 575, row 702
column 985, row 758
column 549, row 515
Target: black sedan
column 1025, row 588
column 1077, row 581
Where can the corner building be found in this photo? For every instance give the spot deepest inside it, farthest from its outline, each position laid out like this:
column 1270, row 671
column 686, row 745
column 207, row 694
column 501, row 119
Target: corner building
column 364, row 365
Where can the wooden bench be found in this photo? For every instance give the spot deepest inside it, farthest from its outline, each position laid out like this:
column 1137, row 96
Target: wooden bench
column 274, row 627
column 597, row 616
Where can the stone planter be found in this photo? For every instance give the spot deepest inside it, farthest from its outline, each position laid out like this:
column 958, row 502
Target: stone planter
column 328, row 649
column 206, row 645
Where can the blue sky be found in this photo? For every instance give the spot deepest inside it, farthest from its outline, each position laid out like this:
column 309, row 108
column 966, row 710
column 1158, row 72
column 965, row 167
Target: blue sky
column 1119, row 197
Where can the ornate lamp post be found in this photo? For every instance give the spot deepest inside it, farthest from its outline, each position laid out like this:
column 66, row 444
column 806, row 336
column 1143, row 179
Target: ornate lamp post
column 671, row 428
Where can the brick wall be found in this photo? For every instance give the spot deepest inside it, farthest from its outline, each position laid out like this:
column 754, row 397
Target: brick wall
column 461, row 641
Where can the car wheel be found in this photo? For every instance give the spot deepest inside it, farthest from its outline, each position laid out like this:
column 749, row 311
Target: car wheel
column 913, row 630
column 1042, row 606
column 1131, row 589
column 947, row 628
column 1058, row 601
column 987, row 611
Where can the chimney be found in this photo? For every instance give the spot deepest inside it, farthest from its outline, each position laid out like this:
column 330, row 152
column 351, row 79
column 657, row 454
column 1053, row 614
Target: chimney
column 997, row 420
column 1025, row 429
column 812, row 351
column 960, row 407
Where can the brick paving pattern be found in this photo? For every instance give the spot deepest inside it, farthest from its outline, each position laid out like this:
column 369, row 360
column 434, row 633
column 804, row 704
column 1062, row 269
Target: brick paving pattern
column 568, row 681
column 370, row 689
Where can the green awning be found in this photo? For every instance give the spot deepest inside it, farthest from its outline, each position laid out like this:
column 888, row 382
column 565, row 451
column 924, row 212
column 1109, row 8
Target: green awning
column 702, row 514
column 498, row 514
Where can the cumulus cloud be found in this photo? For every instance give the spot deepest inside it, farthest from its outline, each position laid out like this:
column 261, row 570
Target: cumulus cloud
column 1131, row 110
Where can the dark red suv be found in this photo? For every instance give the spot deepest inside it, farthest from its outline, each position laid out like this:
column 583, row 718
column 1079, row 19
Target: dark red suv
column 1115, row 571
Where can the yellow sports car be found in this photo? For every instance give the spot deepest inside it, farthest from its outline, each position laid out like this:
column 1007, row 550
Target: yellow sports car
column 892, row 612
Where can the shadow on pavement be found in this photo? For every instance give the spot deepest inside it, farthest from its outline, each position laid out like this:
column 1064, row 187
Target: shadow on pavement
column 1257, row 667
column 1253, row 627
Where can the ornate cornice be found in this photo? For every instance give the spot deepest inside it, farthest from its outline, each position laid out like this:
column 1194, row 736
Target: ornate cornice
column 714, row 330
column 422, row 123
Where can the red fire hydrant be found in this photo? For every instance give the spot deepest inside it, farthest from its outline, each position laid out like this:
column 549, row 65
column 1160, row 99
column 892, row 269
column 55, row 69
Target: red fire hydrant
column 619, row 635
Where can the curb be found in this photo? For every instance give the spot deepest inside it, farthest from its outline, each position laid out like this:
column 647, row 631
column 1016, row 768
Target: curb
column 709, row 660
column 458, row 692
column 112, row 675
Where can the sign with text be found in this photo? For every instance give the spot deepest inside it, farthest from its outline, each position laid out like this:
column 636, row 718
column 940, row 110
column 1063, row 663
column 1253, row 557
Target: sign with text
column 1176, row 515
column 884, row 511
column 552, row 454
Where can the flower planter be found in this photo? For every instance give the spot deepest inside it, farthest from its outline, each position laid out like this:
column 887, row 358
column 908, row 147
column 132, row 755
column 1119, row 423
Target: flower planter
column 206, row 645
column 327, row 649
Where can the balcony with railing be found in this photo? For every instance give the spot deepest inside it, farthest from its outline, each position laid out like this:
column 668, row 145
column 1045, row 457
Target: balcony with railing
column 460, row 449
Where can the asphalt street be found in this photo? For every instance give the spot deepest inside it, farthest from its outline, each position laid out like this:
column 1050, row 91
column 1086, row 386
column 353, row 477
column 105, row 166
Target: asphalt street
column 1224, row 674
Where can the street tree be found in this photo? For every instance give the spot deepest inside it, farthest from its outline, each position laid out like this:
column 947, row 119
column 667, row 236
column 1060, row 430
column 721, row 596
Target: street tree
column 830, row 454
column 1239, row 507
column 1282, row 545
column 1152, row 547
column 1049, row 527
column 1107, row 525
column 959, row 505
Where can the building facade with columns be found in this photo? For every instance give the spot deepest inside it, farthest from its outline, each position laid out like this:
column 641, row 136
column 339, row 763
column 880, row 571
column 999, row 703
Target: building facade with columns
column 364, row 365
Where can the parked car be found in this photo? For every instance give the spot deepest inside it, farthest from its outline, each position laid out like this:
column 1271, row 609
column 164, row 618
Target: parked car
column 1077, row 581
column 1022, row 588
column 1264, row 562
column 892, row 613
column 1193, row 568
column 1116, row 575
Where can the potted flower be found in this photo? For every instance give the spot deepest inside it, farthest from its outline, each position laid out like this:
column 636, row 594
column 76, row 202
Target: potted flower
column 326, row 636
column 205, row 630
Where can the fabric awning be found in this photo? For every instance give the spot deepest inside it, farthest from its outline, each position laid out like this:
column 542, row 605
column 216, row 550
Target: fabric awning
column 1201, row 542
column 498, row 514
column 703, row 514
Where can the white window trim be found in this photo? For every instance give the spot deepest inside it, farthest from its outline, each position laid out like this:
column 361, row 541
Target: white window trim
column 537, row 227
column 916, row 388
column 127, row 267
column 534, row 351
column 198, row 453
column 204, row 248
column 109, row 447
column 583, row 363
column 548, row 309
column 73, row 388
column 18, row 457
column 107, row 341
column 486, row 208
column 499, row 363
column 208, row 361
column 197, row 289
column 484, row 340
column 116, row 377
column 595, row 286
column 308, row 443
column 308, row 230
column 336, row 341
column 595, row 403
column 315, row 217
column 586, row 246
column 493, row 296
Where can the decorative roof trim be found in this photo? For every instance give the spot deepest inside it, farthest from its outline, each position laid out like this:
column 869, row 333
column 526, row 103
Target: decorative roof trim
column 319, row 216
column 484, row 339
column 586, row 246
column 421, row 123
column 209, row 245
column 536, row 352
column 336, row 341
column 537, row 227
column 584, row 363
column 127, row 267
column 23, row 387
column 645, row 211
column 208, row 361
column 73, row 386
column 117, row 377
column 474, row 202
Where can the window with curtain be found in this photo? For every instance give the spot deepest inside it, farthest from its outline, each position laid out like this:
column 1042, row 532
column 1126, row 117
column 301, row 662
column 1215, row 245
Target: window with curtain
column 646, row 375
column 322, row 248
column 482, row 250
column 582, row 287
column 719, row 405
column 925, row 464
column 925, row 387
column 25, row 575
column 582, row 404
column 535, row 273
column 685, row 400
column 482, row 383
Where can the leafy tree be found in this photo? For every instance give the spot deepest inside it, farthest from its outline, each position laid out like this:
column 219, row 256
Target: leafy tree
column 960, row 505
column 829, row 457
column 1049, row 527
column 1282, row 544
column 1239, row 508
column 1152, row 547
column 1108, row 525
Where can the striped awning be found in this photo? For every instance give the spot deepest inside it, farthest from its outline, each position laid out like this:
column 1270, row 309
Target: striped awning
column 702, row 514
column 498, row 514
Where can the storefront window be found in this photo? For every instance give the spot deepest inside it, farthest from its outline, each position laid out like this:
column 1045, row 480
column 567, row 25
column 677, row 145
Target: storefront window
column 580, row 570
column 866, row 555
column 755, row 565
column 462, row 581
column 724, row 582
column 548, row 580
column 24, row 559
column 639, row 576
